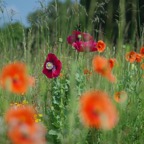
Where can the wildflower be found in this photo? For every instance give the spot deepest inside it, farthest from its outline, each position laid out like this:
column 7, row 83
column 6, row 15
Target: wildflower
column 138, row 58
column 102, row 66
column 101, row 46
column 97, row 110
column 142, row 51
column 74, row 37
column 82, row 42
column 131, row 56
column 120, row 97
column 112, row 62
column 52, row 66
column 22, row 128
column 88, row 46
column 14, row 78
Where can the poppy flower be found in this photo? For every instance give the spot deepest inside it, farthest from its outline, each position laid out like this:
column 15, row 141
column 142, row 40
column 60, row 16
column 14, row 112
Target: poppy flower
column 14, row 78
column 131, row 56
column 52, row 66
column 138, row 57
column 82, row 42
column 112, row 62
column 102, row 66
column 76, row 36
column 142, row 51
column 21, row 113
column 88, row 46
column 120, row 97
column 101, row 46
column 22, row 128
column 97, row 110
column 27, row 134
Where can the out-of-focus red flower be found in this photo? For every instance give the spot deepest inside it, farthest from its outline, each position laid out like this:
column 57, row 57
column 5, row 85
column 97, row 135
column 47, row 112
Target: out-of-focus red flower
column 82, row 42
column 112, row 62
column 101, row 46
column 102, row 66
column 120, row 97
column 14, row 78
column 131, row 56
column 88, row 46
column 97, row 110
column 138, row 57
column 76, row 36
column 52, row 66
column 22, row 128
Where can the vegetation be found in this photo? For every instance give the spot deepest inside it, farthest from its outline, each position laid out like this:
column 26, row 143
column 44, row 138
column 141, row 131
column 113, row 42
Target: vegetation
column 119, row 24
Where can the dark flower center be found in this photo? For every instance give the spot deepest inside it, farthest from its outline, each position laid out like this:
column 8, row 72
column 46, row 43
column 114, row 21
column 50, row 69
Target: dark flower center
column 49, row 66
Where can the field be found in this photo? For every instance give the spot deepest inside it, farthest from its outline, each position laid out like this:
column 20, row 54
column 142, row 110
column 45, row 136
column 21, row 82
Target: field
column 57, row 100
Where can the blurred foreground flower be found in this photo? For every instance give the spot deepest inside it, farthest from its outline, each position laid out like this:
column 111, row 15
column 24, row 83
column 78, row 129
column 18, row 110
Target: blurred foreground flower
column 97, row 110
column 14, row 77
column 142, row 51
column 22, row 128
column 52, row 66
column 104, row 67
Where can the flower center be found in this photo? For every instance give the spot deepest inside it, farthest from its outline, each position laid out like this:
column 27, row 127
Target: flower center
column 49, row 66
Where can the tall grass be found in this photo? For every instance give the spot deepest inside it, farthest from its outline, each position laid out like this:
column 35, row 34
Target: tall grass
column 58, row 99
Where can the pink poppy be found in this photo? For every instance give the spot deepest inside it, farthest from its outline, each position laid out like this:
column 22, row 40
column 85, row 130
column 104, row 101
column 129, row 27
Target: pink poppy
column 88, row 46
column 74, row 37
column 52, row 66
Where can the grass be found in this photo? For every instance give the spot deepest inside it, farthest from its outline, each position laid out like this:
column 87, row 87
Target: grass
column 57, row 99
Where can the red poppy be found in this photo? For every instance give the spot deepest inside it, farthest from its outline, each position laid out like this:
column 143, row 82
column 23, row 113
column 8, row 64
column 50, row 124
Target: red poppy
column 97, row 110
column 101, row 46
column 22, row 128
column 131, row 56
column 14, row 78
column 52, row 66
column 112, row 62
column 120, row 97
column 138, row 57
column 102, row 66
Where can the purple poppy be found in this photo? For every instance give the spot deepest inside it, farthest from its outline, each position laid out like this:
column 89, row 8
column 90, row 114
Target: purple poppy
column 52, row 66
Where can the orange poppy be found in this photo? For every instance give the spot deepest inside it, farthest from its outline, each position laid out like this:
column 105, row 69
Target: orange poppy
column 142, row 51
column 142, row 66
column 21, row 113
column 112, row 62
column 102, row 66
column 25, row 134
column 120, row 97
column 97, row 110
column 100, row 46
column 138, row 57
column 14, row 78
column 22, row 128
column 131, row 56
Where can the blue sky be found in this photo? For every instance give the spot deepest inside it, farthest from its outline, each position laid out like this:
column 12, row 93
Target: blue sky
column 21, row 9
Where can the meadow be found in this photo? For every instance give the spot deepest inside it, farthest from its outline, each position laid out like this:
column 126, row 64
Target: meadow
column 84, row 67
